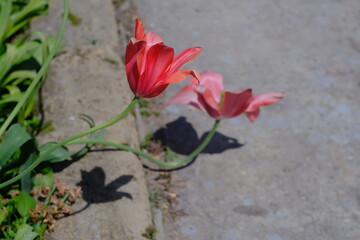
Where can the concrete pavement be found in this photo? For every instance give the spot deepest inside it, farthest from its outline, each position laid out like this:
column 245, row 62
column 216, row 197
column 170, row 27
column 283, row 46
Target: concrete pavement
column 88, row 77
column 298, row 174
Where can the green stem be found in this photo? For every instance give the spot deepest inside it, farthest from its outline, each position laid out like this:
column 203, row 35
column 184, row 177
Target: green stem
column 47, row 200
column 41, row 72
column 66, row 196
column 69, row 139
column 148, row 156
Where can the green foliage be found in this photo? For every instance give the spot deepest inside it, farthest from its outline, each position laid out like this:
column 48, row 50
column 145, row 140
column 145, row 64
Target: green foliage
column 25, row 232
column 14, row 139
column 20, row 59
column 18, row 151
column 45, row 179
column 24, row 203
column 15, row 15
column 14, row 214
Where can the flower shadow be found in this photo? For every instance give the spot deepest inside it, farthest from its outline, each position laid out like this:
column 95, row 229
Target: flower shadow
column 181, row 137
column 96, row 191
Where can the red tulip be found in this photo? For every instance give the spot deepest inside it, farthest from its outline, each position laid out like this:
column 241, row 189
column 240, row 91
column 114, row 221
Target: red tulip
column 151, row 66
column 209, row 96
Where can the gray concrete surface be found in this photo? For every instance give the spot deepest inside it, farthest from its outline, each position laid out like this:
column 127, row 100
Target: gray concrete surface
column 89, row 78
column 297, row 177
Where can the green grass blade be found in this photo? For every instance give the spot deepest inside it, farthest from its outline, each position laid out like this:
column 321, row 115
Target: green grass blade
column 19, row 76
column 7, row 60
column 4, row 19
column 32, row 6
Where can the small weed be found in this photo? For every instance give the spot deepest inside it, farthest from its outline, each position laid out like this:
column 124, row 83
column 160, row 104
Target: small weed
column 145, row 113
column 147, row 140
column 150, row 233
column 155, row 196
column 145, row 106
column 170, row 155
column 156, row 113
column 144, row 103
column 75, row 20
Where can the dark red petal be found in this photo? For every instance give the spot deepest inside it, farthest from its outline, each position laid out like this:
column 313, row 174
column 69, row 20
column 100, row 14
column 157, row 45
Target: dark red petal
column 207, row 101
column 155, row 91
column 131, row 67
column 234, row 103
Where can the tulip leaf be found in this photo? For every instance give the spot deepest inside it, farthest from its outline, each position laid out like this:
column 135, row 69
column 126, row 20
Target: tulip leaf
column 58, row 155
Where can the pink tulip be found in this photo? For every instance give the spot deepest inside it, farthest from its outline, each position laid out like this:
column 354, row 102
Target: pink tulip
column 151, row 66
column 209, row 96
column 253, row 109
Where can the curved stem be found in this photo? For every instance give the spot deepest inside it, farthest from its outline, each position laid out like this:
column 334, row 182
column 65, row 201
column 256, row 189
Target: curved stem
column 41, row 72
column 69, row 139
column 148, row 156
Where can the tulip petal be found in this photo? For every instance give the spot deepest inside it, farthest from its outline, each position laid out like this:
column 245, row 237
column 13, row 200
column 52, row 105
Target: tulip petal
column 235, row 103
column 181, row 75
column 139, row 30
column 151, row 66
column 131, row 56
column 207, row 100
column 183, row 57
column 157, row 60
column 155, row 91
column 214, row 82
column 253, row 109
column 186, row 95
column 263, row 100
column 253, row 115
column 152, row 38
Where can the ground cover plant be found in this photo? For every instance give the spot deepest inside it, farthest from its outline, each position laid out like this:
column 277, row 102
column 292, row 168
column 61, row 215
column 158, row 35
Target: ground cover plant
column 21, row 58
column 31, row 199
column 22, row 54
